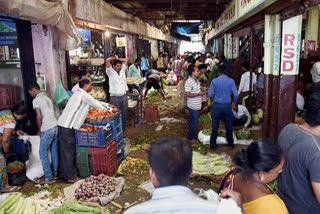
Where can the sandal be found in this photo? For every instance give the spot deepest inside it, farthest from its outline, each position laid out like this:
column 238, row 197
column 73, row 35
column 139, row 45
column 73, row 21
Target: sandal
column 43, row 180
column 9, row 189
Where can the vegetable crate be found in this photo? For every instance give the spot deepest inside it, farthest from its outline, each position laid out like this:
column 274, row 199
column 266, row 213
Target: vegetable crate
column 9, row 96
column 104, row 160
column 120, row 142
column 83, row 162
column 121, row 156
column 116, row 125
column 100, row 138
column 151, row 112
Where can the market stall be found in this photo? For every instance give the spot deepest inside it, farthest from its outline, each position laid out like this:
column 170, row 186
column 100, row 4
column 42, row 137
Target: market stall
column 90, row 57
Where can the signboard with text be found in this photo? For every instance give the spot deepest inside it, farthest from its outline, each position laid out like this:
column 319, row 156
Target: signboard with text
column 246, row 5
column 227, row 16
column 235, row 47
column 8, row 34
column 291, row 45
column 121, row 42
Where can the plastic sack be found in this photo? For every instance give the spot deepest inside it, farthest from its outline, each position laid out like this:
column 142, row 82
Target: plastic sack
column 70, row 191
column 34, row 165
column 205, row 140
column 61, row 96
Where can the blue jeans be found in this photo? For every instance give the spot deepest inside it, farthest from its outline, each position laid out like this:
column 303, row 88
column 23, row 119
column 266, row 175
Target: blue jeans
column 49, row 142
column 218, row 112
column 193, row 123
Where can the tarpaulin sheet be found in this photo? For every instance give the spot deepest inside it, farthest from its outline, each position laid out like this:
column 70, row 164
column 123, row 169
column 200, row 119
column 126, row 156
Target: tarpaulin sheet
column 46, row 12
column 186, row 28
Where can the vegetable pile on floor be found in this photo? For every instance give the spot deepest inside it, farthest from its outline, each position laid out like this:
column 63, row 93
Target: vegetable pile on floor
column 205, row 118
column 74, row 207
column 133, row 165
column 244, row 134
column 16, row 203
column 211, row 164
column 95, row 186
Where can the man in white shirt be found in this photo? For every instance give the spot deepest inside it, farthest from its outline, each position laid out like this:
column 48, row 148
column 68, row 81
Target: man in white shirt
column 209, row 61
column 72, row 117
column 170, row 161
column 241, row 115
column 244, row 87
column 118, row 85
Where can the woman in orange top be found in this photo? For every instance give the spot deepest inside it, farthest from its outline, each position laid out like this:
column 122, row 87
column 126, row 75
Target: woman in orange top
column 261, row 163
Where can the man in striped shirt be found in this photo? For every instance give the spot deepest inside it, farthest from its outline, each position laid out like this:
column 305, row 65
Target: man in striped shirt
column 73, row 117
column 194, row 100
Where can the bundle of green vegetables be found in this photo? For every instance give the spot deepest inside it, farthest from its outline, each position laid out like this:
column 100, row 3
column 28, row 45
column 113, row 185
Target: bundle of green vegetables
column 205, row 118
column 221, row 133
column 16, row 204
column 244, row 134
column 73, row 208
column 95, row 186
column 216, row 164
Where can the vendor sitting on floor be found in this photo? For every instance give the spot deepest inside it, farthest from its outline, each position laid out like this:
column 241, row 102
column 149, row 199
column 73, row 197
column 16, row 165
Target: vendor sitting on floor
column 154, row 80
column 8, row 122
column 172, row 78
column 241, row 115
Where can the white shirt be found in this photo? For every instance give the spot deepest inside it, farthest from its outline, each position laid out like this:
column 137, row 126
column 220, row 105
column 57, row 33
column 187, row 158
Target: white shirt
column 7, row 126
column 174, row 199
column 117, row 82
column 242, row 110
column 245, row 82
column 300, row 102
column 209, row 62
column 76, row 110
column 43, row 102
column 315, row 72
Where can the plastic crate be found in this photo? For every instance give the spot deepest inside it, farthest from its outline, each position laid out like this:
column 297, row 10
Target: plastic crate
column 100, row 138
column 83, row 162
column 9, row 95
column 120, row 142
column 104, row 160
column 151, row 112
column 116, row 125
column 121, row 156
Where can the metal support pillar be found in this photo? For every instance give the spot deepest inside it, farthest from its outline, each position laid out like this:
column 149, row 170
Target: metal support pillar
column 312, row 30
column 272, row 43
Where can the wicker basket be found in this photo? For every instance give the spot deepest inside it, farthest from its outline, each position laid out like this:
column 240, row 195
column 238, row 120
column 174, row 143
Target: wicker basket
column 103, row 118
column 111, row 116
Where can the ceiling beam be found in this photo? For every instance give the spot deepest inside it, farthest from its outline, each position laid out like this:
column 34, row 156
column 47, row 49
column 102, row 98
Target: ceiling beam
column 168, row 1
column 202, row 10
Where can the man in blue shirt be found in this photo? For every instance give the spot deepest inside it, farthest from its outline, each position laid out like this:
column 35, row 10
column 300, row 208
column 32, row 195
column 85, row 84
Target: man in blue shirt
column 144, row 65
column 220, row 90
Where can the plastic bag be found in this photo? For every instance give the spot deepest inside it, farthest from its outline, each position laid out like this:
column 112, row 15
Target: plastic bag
column 61, row 96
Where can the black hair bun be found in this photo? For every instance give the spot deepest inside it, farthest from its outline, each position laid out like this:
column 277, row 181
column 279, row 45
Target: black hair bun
column 241, row 159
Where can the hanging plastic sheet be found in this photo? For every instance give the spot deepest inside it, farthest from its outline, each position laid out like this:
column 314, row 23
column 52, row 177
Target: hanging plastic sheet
column 45, row 12
column 186, row 28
